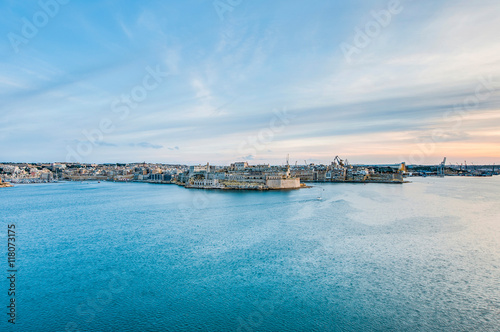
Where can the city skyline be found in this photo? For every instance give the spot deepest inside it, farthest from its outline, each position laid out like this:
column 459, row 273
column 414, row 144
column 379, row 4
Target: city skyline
column 378, row 83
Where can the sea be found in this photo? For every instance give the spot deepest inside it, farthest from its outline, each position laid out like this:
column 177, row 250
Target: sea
column 418, row 256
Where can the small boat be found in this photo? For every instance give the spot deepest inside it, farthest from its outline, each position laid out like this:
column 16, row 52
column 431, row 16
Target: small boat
column 320, row 197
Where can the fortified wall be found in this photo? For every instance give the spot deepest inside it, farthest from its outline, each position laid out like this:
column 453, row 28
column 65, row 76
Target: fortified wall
column 278, row 182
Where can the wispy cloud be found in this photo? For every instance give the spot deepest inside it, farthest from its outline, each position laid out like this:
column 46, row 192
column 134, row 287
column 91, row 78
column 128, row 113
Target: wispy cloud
column 226, row 78
column 147, row 145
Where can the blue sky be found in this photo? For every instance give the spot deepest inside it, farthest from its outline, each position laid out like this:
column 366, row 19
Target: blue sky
column 228, row 80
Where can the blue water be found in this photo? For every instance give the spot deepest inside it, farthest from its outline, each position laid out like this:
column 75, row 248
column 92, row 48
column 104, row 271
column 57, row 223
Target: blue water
column 422, row 256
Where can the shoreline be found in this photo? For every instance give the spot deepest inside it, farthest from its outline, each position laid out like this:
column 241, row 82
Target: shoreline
column 305, row 184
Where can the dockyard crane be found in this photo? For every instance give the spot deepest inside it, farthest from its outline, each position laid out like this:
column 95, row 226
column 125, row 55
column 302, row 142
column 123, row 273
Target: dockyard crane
column 441, row 167
column 338, row 161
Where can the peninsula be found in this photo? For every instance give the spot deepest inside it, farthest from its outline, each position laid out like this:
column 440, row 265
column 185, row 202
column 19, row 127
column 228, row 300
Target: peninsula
column 236, row 176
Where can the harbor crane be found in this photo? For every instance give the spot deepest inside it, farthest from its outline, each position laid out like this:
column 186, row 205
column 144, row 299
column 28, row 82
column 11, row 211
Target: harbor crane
column 338, row 161
column 440, row 170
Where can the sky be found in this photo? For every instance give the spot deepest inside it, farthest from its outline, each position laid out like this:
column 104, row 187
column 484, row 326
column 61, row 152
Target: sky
column 199, row 81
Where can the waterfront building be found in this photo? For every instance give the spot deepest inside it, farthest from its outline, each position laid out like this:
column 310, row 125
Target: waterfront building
column 240, row 175
column 240, row 165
